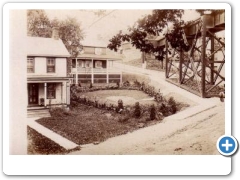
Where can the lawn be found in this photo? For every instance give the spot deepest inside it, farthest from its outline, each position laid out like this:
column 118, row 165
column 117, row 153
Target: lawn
column 84, row 124
column 129, row 97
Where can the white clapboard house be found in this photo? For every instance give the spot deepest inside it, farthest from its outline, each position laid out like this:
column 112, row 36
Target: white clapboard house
column 47, row 79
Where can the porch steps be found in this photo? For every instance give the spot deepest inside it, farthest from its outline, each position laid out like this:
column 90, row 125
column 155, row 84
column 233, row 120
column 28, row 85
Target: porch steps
column 32, row 113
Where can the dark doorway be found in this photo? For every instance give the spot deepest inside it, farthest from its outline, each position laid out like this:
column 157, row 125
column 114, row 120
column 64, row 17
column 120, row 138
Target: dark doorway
column 32, row 93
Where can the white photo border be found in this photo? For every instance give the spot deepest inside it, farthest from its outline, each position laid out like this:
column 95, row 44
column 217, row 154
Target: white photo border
column 102, row 164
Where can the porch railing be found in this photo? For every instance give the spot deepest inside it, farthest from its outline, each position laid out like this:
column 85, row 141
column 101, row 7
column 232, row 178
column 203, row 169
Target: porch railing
column 94, row 70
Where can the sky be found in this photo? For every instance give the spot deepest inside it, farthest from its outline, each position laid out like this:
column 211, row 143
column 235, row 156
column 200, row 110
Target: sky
column 104, row 28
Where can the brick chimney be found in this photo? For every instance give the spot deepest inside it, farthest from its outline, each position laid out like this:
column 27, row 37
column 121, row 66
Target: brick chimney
column 55, row 33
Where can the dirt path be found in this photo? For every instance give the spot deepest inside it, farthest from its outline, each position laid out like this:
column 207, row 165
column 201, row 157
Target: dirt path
column 194, row 139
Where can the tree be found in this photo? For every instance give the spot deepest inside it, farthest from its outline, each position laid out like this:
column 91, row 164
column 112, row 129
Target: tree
column 152, row 24
column 71, row 34
column 38, row 24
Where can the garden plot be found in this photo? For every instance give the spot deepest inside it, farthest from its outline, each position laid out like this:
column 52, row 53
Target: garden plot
column 100, row 114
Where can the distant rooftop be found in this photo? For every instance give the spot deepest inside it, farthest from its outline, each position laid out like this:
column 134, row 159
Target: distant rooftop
column 93, row 42
column 110, row 55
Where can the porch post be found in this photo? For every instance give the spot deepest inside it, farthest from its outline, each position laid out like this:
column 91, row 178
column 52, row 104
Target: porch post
column 92, row 72
column 107, row 72
column 62, row 92
column 67, row 94
column 45, row 94
column 76, row 73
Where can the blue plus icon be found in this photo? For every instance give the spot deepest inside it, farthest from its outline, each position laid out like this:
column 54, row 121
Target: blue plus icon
column 227, row 145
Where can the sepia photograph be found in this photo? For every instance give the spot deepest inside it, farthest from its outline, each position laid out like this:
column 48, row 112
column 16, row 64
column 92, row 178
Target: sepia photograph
column 120, row 81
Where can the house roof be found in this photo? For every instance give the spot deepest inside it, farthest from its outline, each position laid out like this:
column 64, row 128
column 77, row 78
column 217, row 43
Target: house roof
column 108, row 56
column 39, row 46
column 93, row 42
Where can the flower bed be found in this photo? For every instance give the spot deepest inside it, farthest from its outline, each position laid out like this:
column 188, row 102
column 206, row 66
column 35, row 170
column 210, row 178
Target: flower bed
column 150, row 90
column 166, row 107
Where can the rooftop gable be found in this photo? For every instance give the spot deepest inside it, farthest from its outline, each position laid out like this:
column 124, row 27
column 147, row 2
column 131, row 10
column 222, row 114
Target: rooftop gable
column 39, row 46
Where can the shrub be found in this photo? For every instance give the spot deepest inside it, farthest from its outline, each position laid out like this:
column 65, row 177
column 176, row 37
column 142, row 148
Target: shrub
column 137, row 110
column 137, row 84
column 159, row 116
column 171, row 101
column 96, row 104
column 73, row 103
column 126, row 84
column 73, row 92
column 150, row 90
column 103, row 105
column 173, row 105
column 110, row 107
column 158, row 97
column 120, row 104
column 142, row 87
column 173, row 109
column 91, row 85
column 152, row 112
column 117, row 84
column 164, row 109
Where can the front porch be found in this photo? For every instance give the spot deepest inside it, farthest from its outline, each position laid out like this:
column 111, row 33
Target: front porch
column 95, row 71
column 44, row 92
